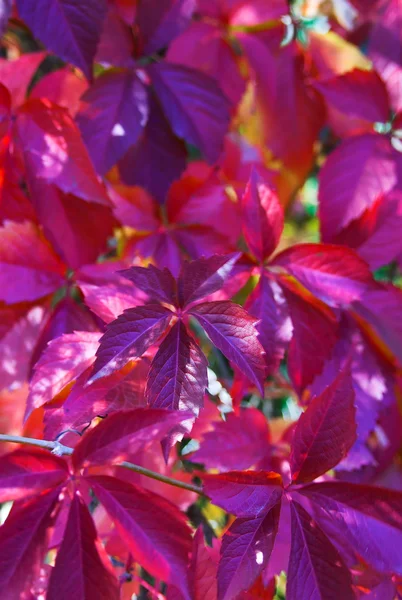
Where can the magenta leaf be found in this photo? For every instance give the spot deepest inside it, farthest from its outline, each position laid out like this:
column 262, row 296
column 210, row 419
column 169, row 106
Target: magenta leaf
column 243, row 493
column 365, row 518
column 262, row 217
column 158, row 284
column 24, row 543
column 129, row 336
column 159, row 23
column 316, row 570
column 154, row 530
column 204, row 276
column 178, row 376
column 29, row 269
column 194, row 105
column 71, row 28
column 26, row 473
column 83, row 569
column 335, row 274
column 122, row 434
column 64, row 359
column 113, row 113
column 233, row 331
column 245, row 551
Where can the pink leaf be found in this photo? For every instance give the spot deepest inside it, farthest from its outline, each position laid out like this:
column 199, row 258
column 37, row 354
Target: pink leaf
column 27, row 275
column 204, row 276
column 316, row 570
column 325, row 432
column 262, row 217
column 17, row 74
column 154, row 530
column 83, row 569
column 65, row 358
column 129, row 336
column 71, row 29
column 243, row 493
column 113, row 113
column 232, row 330
column 122, row 434
column 63, row 87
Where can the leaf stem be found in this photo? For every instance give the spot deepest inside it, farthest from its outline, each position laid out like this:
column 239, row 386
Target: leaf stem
column 61, row 450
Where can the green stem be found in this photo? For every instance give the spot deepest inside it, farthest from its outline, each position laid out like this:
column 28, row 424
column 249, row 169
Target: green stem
column 61, row 450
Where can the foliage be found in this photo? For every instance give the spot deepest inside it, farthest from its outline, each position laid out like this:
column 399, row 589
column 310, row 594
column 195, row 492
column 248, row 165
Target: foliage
column 200, row 299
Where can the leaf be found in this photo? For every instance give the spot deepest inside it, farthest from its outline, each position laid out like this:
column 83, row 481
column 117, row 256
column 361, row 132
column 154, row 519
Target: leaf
column 26, row 275
column 159, row 24
column 232, row 330
column 262, row 217
column 203, row 569
column 113, row 113
column 243, row 493
column 158, row 284
column 325, row 432
column 194, row 105
column 64, row 359
column 54, row 152
column 5, row 11
column 335, row 274
column 83, row 569
column 245, row 551
column 26, row 473
column 24, row 543
column 63, row 87
column 354, row 176
column 154, row 530
column 204, row 276
column 316, row 570
column 128, row 337
column 71, row 29
column 17, row 74
column 239, row 442
column 178, row 379
column 122, row 435
column 363, row 517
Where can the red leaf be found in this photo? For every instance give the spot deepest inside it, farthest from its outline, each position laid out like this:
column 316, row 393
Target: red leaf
column 325, row 432
column 63, row 87
column 245, row 551
column 262, row 217
column 204, row 276
column 17, row 74
column 335, row 274
column 122, row 434
column 23, row 543
column 196, row 108
column 113, row 113
column 54, row 151
column 71, row 29
column 232, row 330
column 178, row 376
column 83, row 569
column 27, row 275
column 316, row 570
column 243, row 493
column 154, row 530
column 65, row 358
column 129, row 336
column 26, row 473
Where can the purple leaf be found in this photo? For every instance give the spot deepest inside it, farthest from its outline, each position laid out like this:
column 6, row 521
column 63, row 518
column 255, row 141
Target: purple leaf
column 71, row 28
column 262, row 217
column 160, row 22
column 232, row 330
column 204, row 276
column 194, row 105
column 316, row 570
column 156, row 283
column 129, row 336
column 5, row 11
column 82, row 569
column 243, row 493
column 245, row 551
column 114, row 112
column 325, row 432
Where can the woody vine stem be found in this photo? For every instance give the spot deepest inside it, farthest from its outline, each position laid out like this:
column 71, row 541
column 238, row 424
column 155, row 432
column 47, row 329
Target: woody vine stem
column 60, row 450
